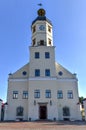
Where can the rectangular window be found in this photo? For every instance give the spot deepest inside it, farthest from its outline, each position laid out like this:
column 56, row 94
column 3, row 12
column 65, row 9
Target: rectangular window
column 47, row 72
column 37, row 94
column 25, row 94
column 48, row 93
column 49, row 29
column 34, row 29
column 59, row 94
column 37, row 72
column 70, row 94
column 15, row 94
column 49, row 41
column 42, row 42
column 47, row 55
column 34, row 42
column 36, row 55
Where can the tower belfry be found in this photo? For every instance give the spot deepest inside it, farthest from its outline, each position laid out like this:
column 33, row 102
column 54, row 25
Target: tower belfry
column 42, row 30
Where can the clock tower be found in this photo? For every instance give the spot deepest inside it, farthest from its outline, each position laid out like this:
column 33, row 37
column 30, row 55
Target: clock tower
column 42, row 51
column 42, row 30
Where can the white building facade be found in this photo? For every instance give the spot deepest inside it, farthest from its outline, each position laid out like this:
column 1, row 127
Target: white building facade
column 84, row 103
column 0, row 108
column 42, row 89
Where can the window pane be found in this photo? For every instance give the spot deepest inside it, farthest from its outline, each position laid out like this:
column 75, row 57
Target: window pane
column 37, row 94
column 34, row 42
column 70, row 94
column 37, row 72
column 47, row 72
column 48, row 93
column 49, row 29
column 49, row 41
column 47, row 55
column 34, row 29
column 59, row 94
column 42, row 42
column 15, row 94
column 25, row 94
column 36, row 54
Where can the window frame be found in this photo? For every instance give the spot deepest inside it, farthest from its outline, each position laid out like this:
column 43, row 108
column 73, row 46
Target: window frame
column 47, row 55
column 41, row 42
column 70, row 94
column 49, row 41
column 15, row 94
column 25, row 94
column 60, row 94
column 37, row 72
column 48, row 93
column 34, row 28
column 37, row 55
column 37, row 93
column 49, row 29
column 47, row 72
column 34, row 41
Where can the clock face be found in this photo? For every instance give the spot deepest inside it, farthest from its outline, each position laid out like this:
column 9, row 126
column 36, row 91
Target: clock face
column 42, row 27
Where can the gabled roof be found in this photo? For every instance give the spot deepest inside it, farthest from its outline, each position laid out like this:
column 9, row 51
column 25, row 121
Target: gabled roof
column 23, row 72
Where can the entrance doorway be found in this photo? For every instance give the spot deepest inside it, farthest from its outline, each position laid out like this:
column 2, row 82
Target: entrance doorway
column 43, row 112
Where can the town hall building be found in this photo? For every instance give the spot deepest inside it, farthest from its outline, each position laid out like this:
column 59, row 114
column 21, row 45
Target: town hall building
column 42, row 89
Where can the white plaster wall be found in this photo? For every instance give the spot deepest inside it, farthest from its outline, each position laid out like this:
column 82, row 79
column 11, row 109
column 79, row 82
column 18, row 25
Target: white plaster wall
column 19, row 86
column 42, row 35
column 85, row 108
column 57, row 104
column 42, row 63
column 71, row 103
column 54, row 110
column 0, row 109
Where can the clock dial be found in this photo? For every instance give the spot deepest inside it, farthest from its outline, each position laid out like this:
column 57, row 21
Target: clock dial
column 41, row 27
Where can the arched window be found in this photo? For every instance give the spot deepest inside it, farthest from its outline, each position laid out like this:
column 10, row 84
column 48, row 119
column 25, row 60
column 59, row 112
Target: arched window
column 66, row 111
column 19, row 111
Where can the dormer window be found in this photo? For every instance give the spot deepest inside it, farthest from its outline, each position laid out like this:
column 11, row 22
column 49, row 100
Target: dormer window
column 42, row 42
column 49, row 29
column 34, row 29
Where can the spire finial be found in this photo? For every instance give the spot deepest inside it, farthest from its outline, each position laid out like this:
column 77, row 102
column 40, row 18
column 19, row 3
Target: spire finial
column 41, row 12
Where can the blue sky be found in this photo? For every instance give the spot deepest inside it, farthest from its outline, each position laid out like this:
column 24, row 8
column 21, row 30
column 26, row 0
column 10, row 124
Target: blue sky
column 69, row 34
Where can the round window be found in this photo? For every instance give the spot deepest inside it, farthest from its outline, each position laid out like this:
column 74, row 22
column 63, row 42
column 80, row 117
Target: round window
column 24, row 72
column 60, row 73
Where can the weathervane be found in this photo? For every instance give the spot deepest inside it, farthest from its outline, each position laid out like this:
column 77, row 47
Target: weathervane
column 40, row 4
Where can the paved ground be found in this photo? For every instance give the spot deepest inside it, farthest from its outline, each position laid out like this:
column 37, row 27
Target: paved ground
column 43, row 125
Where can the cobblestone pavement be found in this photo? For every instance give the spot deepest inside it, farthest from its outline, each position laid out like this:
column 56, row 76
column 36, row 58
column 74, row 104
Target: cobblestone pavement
column 43, row 125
